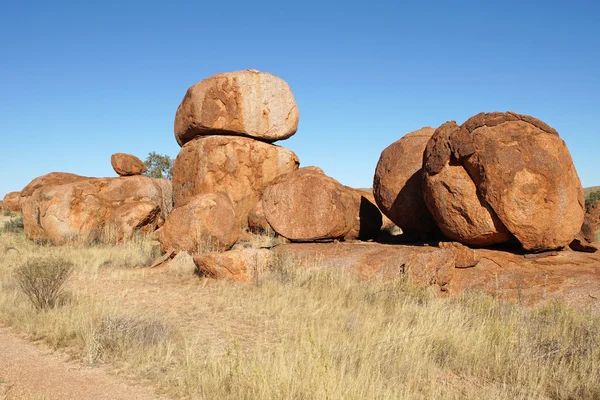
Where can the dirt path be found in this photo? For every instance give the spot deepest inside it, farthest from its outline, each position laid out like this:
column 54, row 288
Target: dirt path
column 28, row 371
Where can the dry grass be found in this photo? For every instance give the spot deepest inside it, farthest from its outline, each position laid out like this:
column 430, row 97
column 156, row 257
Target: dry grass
column 302, row 333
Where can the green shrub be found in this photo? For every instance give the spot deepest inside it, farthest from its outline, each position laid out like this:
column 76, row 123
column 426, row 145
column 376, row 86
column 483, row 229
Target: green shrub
column 15, row 225
column 7, row 212
column 43, row 279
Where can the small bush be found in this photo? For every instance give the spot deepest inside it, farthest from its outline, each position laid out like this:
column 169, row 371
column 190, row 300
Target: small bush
column 15, row 225
column 42, row 280
column 7, row 212
column 120, row 333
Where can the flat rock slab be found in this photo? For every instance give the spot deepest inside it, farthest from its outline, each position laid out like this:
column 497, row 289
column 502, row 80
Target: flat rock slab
column 566, row 275
column 28, row 371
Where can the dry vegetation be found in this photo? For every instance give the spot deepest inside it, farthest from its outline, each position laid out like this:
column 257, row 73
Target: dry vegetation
column 299, row 333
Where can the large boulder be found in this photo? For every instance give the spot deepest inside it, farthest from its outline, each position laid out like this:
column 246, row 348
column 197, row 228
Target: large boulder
column 239, row 166
column 94, row 208
column 126, row 164
column 397, row 184
column 11, row 201
column 205, row 223
column 501, row 175
column 248, row 103
column 307, row 205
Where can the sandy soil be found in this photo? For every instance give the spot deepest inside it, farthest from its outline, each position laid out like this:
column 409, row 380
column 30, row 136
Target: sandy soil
column 30, row 371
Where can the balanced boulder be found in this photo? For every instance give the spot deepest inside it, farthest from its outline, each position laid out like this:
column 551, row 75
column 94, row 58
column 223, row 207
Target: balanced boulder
column 397, row 185
column 239, row 166
column 206, row 222
column 248, row 103
column 501, row 175
column 94, row 208
column 11, row 201
column 127, row 164
column 307, row 205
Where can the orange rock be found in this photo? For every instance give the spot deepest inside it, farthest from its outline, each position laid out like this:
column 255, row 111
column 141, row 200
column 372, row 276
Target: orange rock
column 205, row 222
column 397, row 184
column 127, row 164
column 523, row 175
column 11, row 201
column 94, row 208
column 464, row 257
column 249, row 103
column 235, row 265
column 307, row 205
column 238, row 166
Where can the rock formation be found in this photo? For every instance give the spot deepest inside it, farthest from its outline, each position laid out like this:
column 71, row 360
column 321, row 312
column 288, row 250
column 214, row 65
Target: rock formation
column 206, row 222
column 248, row 103
column 397, row 184
column 93, row 208
column 239, row 166
column 11, row 201
column 127, row 164
column 501, row 175
column 307, row 205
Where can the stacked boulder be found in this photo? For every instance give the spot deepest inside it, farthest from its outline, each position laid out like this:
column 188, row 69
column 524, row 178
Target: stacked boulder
column 497, row 178
column 59, row 207
column 226, row 125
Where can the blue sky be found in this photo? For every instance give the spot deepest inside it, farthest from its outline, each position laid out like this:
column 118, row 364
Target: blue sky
column 82, row 80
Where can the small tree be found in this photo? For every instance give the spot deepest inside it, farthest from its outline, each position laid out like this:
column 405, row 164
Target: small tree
column 159, row 166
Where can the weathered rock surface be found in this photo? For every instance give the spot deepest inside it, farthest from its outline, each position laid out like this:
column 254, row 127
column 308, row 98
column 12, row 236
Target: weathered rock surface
column 51, row 179
column 11, row 201
column 588, row 239
column 307, row 205
column 464, row 257
column 503, row 172
column 249, row 103
column 397, row 184
column 126, row 164
column 235, row 265
column 206, row 222
column 94, row 208
column 238, row 166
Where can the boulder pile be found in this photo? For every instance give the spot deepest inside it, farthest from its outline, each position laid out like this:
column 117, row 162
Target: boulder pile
column 497, row 178
column 60, row 207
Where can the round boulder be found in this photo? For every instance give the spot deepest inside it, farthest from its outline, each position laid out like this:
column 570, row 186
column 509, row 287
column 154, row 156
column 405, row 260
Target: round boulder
column 127, row 164
column 11, row 201
column 307, row 205
column 521, row 177
column 239, row 166
column 248, row 103
column 206, row 223
column 397, row 185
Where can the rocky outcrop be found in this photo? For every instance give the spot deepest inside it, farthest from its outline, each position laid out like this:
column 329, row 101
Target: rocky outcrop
column 241, row 167
column 307, row 205
column 11, row 202
column 501, row 175
column 249, row 103
column 93, row 208
column 205, row 223
column 397, row 185
column 127, row 164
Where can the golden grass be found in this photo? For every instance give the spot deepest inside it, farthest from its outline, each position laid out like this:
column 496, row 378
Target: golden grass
column 302, row 333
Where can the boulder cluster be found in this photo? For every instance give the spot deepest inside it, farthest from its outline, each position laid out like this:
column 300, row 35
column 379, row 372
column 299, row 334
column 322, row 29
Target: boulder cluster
column 230, row 176
column 60, row 207
column 497, row 179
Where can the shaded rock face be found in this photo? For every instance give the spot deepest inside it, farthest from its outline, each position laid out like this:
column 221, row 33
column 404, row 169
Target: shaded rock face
column 238, row 166
column 206, row 222
column 397, row 185
column 307, row 205
column 11, row 201
column 501, row 175
column 94, row 208
column 127, row 164
column 249, row 103
column 588, row 239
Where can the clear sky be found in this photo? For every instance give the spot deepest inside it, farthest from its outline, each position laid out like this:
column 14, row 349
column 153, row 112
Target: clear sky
column 81, row 80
